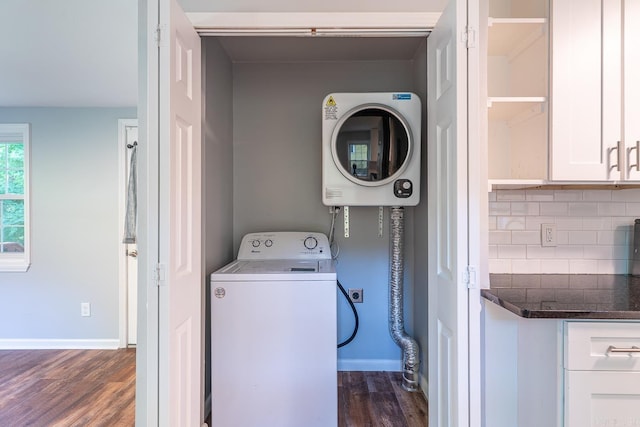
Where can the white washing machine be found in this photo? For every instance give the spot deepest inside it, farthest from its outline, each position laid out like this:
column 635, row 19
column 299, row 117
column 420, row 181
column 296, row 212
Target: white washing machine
column 371, row 149
column 274, row 334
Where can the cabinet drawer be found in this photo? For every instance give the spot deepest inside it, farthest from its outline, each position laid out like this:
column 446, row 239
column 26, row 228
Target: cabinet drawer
column 600, row 346
column 602, row 399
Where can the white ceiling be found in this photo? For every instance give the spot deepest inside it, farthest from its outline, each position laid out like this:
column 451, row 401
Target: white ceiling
column 83, row 53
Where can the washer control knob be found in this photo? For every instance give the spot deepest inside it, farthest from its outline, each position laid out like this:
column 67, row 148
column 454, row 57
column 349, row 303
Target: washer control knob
column 255, row 243
column 310, row 242
column 268, row 243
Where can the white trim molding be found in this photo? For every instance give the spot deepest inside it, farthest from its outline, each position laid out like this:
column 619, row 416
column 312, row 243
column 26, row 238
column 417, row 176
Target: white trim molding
column 313, row 24
column 369, row 365
column 59, row 344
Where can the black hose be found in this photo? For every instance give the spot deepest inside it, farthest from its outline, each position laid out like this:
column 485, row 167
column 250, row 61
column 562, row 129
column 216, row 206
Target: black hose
column 355, row 316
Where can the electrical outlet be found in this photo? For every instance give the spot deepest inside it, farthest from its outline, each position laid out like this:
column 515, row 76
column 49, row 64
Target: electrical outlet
column 355, row 295
column 548, row 233
column 85, row 309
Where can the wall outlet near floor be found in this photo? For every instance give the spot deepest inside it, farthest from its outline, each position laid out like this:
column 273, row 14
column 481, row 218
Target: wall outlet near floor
column 355, row 295
column 85, row 309
column 548, row 234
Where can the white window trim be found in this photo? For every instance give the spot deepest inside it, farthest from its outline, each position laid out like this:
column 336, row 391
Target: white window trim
column 12, row 262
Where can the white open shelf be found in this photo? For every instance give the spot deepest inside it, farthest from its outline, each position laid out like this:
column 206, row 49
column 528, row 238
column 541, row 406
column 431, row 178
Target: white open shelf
column 515, row 109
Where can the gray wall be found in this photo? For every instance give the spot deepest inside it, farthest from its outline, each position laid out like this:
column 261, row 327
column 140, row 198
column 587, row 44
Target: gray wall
column 75, row 233
column 217, row 170
column 277, row 181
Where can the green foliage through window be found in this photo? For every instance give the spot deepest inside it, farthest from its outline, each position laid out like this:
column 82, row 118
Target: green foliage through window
column 12, row 215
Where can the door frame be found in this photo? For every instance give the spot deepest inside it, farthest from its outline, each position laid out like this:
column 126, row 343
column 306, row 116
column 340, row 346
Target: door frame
column 246, row 23
column 123, row 299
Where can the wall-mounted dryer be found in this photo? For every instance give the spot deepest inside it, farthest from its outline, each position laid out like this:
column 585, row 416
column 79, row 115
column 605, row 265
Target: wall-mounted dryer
column 371, row 149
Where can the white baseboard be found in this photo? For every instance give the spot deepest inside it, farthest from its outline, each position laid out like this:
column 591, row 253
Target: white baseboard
column 392, row 365
column 59, row 344
column 424, row 385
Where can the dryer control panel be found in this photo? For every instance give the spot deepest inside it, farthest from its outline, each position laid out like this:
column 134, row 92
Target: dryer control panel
column 284, row 245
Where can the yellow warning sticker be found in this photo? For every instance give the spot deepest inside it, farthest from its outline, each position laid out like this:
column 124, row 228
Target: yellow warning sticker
column 331, row 109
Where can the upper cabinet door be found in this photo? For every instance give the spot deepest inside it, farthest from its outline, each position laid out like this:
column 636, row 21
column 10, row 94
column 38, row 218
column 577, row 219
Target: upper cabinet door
column 632, row 88
column 586, row 91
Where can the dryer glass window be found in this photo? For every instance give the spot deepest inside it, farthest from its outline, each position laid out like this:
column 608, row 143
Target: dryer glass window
column 372, row 145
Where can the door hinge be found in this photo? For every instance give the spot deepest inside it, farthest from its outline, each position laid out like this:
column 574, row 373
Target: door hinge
column 469, row 276
column 469, row 36
column 158, row 36
column 159, row 275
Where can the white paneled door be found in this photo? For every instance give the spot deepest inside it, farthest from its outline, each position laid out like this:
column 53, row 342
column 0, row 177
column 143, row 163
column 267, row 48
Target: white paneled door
column 180, row 269
column 449, row 332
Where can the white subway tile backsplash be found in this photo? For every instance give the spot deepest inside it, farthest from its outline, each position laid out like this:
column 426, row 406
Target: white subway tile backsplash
column 633, row 209
column 598, row 252
column 567, row 195
column 628, row 195
column 583, row 209
column 554, row 208
column 500, row 266
column 525, row 208
column 539, row 252
column 539, row 195
column 596, row 195
column 570, row 252
column 525, row 237
column 569, row 223
column 598, row 223
column 492, row 223
column 594, row 229
column 499, row 208
column 563, row 237
column 499, row 237
column 582, row 266
column 493, row 251
column 512, row 251
column 612, row 266
column 612, row 237
column 528, row 266
column 510, row 195
column 554, row 266
column 533, row 223
column 611, row 209
column 511, row 223
column 583, row 237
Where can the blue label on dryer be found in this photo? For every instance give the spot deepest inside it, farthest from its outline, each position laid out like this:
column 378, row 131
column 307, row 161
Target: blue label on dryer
column 401, row 96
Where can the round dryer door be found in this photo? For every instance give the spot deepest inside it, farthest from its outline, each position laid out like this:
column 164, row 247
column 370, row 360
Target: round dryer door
column 371, row 145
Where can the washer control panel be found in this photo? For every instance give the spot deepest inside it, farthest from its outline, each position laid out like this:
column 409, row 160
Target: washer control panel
column 284, row 245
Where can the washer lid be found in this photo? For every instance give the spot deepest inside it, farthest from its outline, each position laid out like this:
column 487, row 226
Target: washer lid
column 286, row 269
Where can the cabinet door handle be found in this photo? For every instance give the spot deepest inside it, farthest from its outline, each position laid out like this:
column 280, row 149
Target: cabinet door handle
column 616, row 166
column 637, row 150
column 633, row 349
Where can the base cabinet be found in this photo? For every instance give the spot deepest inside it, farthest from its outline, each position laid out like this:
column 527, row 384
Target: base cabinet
column 602, row 399
column 602, row 374
column 559, row 373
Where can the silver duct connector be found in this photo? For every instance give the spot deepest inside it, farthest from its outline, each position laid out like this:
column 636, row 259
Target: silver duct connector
column 409, row 346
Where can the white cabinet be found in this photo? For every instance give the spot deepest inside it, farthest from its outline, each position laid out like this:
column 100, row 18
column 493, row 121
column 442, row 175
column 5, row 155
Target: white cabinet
column 517, row 89
column 595, row 107
column 602, row 374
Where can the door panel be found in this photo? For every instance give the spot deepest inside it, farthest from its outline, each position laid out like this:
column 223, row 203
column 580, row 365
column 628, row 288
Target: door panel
column 447, row 145
column 181, row 355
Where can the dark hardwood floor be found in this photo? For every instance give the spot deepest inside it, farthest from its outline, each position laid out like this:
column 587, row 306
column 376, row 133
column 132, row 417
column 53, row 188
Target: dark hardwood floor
column 67, row 388
column 375, row 399
column 97, row 388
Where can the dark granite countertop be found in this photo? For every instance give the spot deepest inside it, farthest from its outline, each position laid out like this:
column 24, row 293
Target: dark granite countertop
column 566, row 296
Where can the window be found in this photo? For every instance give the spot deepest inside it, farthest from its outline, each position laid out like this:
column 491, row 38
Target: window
column 14, row 197
column 359, row 159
